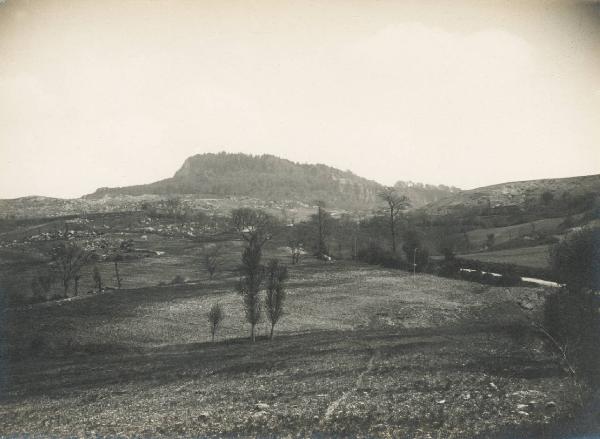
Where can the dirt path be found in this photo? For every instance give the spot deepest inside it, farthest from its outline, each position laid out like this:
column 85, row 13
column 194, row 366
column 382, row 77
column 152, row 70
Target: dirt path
column 359, row 382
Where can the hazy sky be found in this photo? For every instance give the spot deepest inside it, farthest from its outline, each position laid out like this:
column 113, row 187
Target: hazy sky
column 113, row 93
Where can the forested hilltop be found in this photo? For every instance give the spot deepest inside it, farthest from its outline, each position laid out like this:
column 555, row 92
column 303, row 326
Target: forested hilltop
column 272, row 178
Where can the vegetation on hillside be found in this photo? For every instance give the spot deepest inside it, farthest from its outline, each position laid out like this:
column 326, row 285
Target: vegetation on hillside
column 271, row 178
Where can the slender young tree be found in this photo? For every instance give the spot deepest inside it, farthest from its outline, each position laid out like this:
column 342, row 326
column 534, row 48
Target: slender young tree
column 215, row 317
column 117, row 255
column 97, row 277
column 396, row 203
column 76, row 279
column 322, row 214
column 276, row 276
column 212, row 259
column 249, row 285
column 254, row 227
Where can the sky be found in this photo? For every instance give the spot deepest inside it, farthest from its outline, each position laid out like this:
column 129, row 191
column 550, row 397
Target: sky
column 116, row 93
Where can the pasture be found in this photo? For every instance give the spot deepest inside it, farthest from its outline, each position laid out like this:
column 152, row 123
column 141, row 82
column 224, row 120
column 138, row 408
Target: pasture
column 532, row 257
column 362, row 351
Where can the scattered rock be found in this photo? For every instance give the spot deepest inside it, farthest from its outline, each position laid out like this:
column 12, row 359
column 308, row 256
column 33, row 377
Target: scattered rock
column 522, row 406
column 261, row 406
column 550, row 404
column 441, row 401
column 258, row 415
column 526, row 305
column 494, row 386
column 203, row 417
column 522, row 413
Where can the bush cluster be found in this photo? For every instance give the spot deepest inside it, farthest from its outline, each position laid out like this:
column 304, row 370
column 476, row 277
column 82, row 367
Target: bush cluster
column 374, row 254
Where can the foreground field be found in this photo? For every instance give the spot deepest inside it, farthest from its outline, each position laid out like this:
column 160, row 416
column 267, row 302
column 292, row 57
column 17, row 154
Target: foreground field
column 362, row 352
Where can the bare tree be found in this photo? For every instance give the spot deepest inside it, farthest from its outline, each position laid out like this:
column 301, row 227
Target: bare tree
column 253, row 225
column 117, row 255
column 68, row 258
column 212, row 258
column 276, row 276
column 396, row 204
column 215, row 317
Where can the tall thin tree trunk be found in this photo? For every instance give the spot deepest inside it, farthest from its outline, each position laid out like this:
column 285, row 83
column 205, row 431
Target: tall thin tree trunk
column 272, row 326
column 252, row 333
column 117, row 275
column 320, row 232
column 393, row 230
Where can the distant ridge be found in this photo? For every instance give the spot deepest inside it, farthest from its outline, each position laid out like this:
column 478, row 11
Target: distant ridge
column 268, row 177
column 519, row 195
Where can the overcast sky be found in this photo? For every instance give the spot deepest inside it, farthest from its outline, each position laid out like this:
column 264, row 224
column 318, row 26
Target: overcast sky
column 114, row 93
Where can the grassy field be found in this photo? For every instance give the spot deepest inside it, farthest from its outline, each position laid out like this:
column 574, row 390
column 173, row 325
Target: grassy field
column 478, row 237
column 534, row 257
column 362, row 351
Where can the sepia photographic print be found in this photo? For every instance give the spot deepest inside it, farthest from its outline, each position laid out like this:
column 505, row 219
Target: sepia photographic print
column 300, row 219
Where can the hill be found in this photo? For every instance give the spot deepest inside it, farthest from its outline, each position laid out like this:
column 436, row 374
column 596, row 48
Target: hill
column 541, row 196
column 267, row 177
column 421, row 194
column 263, row 177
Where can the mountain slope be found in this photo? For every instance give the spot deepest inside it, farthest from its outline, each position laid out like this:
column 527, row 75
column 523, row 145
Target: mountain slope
column 421, row 194
column 268, row 177
column 539, row 195
column 264, row 177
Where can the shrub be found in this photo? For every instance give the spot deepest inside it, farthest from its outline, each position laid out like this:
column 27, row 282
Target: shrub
column 576, row 259
column 472, row 276
column 510, row 279
column 215, row 317
column 374, row 254
column 179, row 279
column 449, row 268
column 490, row 279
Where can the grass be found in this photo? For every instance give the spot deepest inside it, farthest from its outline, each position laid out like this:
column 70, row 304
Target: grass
column 534, row 257
column 362, row 351
column 550, row 226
